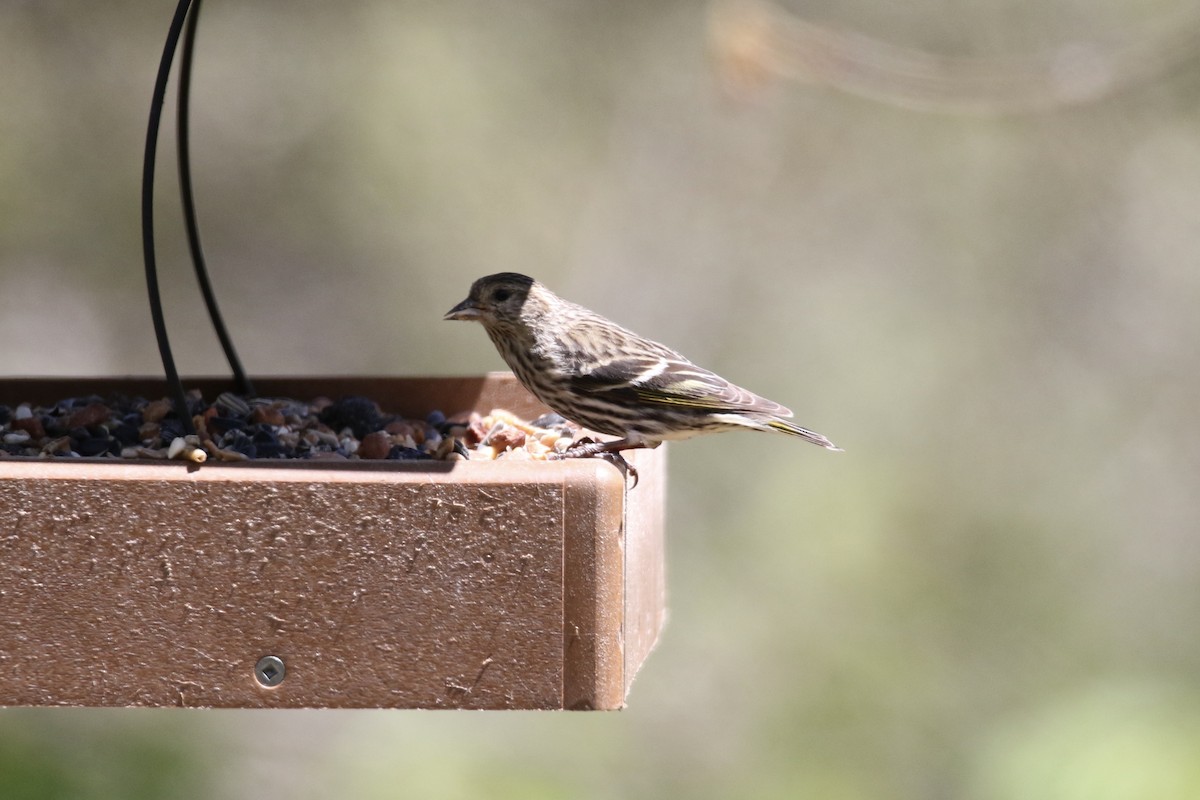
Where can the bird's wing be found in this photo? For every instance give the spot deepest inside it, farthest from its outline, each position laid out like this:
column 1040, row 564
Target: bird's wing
column 659, row 376
column 683, row 384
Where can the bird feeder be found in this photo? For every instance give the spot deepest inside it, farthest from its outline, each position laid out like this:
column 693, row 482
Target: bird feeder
column 431, row 584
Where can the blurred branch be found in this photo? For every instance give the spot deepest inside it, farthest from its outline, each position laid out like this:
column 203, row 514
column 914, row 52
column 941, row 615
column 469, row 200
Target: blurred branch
column 755, row 41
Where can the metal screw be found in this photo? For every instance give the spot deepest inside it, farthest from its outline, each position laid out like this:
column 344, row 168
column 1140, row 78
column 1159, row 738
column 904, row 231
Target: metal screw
column 270, row 670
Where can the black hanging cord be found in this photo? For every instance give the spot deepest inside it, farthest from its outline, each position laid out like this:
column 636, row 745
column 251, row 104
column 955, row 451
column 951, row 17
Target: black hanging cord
column 189, row 205
column 189, row 212
column 156, row 311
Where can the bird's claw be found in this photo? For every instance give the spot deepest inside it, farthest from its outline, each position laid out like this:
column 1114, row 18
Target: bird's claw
column 627, row 469
column 587, row 447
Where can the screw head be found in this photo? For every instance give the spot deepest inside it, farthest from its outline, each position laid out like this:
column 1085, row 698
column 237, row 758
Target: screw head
column 269, row 671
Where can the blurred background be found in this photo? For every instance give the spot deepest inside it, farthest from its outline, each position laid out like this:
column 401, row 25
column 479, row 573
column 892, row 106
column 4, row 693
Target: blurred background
column 958, row 238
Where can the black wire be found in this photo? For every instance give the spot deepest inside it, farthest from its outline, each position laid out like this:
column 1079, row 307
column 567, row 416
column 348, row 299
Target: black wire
column 189, row 204
column 156, row 311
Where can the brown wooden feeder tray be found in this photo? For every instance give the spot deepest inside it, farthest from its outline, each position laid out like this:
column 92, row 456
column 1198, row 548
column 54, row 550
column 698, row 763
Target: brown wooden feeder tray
column 484, row 585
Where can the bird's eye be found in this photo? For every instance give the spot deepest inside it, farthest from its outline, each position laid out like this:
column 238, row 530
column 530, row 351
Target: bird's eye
column 501, row 295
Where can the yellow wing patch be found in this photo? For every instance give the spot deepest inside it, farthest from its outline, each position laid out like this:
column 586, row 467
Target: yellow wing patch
column 690, row 393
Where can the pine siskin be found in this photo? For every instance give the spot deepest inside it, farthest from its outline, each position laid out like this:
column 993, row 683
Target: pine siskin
column 608, row 379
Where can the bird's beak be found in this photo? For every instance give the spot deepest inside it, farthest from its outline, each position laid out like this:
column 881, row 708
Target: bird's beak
column 466, row 310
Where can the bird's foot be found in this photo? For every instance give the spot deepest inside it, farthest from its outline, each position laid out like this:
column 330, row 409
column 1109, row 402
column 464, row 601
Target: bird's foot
column 627, row 469
column 587, row 447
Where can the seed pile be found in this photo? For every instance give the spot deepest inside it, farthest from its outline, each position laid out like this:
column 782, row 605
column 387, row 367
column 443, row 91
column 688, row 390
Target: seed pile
column 234, row 428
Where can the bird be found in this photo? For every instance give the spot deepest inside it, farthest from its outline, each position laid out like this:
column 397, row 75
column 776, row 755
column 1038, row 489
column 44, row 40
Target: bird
column 593, row 372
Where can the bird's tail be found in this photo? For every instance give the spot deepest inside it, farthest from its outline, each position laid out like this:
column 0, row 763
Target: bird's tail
column 783, row 426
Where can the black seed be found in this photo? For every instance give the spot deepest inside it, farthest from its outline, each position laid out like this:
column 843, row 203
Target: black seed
column 126, row 434
column 239, row 442
column 270, row 450
column 90, row 447
column 263, row 434
column 170, row 429
column 266, row 443
column 234, row 438
column 359, row 414
column 398, row 453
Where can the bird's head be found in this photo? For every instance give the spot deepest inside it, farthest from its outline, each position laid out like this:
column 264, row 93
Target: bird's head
column 495, row 300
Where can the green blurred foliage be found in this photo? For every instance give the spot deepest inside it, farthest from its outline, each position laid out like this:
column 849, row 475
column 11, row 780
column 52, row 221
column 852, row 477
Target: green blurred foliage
column 993, row 594
column 101, row 755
